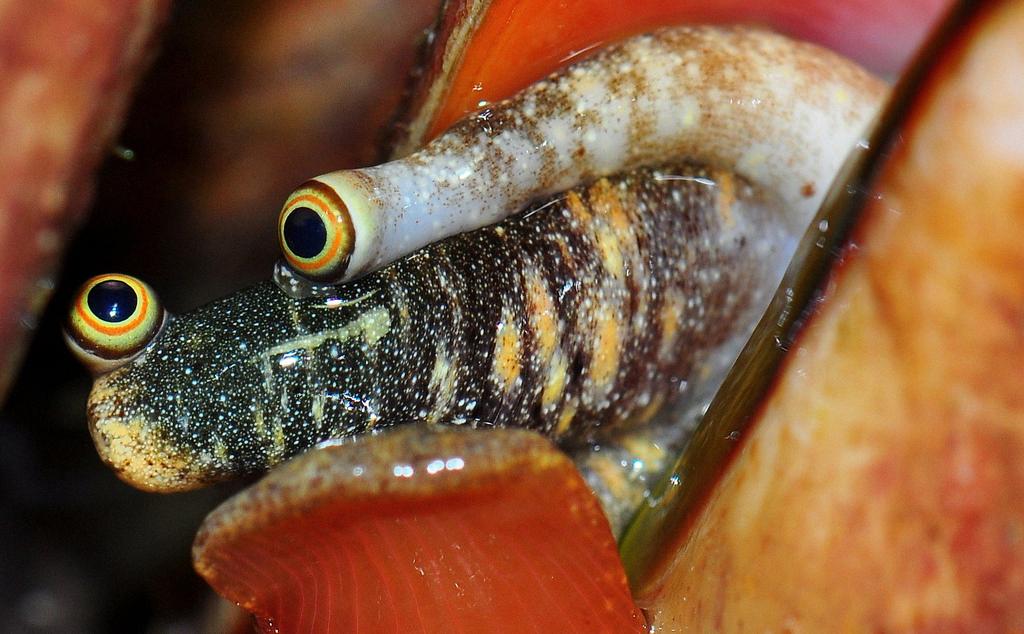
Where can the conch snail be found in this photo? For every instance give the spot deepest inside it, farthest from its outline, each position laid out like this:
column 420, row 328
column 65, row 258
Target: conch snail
column 175, row 450
column 583, row 313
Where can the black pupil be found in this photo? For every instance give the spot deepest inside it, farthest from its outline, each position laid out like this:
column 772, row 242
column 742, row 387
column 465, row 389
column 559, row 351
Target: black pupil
column 304, row 232
column 112, row 301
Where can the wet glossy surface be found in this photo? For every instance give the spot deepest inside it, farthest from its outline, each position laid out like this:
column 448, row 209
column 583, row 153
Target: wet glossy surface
column 422, row 531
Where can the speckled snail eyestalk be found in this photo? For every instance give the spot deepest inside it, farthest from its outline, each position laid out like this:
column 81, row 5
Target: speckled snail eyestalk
column 112, row 319
column 783, row 114
column 315, row 232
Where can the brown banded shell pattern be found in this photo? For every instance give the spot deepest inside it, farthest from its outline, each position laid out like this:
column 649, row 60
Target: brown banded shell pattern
column 581, row 314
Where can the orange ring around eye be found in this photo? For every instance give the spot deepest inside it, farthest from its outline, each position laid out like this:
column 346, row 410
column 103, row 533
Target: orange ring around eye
column 107, row 328
column 120, row 340
column 330, row 263
column 313, row 264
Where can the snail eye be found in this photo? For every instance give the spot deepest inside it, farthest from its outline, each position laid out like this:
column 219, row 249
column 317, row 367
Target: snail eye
column 315, row 232
column 113, row 318
column 305, row 233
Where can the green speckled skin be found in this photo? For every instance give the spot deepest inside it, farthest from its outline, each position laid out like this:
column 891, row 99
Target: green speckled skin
column 583, row 313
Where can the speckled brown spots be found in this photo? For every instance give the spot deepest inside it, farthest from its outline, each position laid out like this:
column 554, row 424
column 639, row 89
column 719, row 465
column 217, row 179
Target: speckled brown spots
column 507, row 350
column 670, row 317
column 611, row 253
column 554, row 383
column 611, row 226
column 579, row 211
column 443, row 381
column 144, row 456
column 277, row 448
column 726, row 196
column 607, row 350
column 565, row 419
column 566, row 254
column 543, row 319
column 610, row 204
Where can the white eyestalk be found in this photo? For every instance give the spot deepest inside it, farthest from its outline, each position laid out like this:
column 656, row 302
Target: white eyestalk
column 780, row 113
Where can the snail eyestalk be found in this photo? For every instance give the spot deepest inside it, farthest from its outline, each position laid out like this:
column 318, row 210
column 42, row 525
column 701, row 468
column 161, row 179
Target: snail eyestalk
column 113, row 318
column 782, row 114
column 315, row 230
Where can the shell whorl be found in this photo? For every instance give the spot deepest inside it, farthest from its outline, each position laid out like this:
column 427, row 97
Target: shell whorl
column 783, row 114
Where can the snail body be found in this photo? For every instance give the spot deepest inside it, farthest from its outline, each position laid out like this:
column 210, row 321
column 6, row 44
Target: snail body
column 587, row 311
